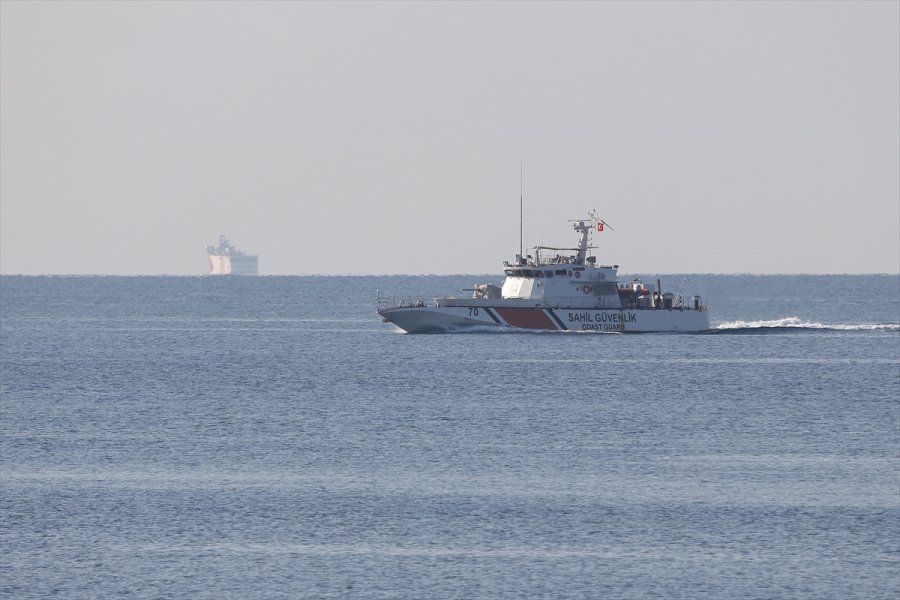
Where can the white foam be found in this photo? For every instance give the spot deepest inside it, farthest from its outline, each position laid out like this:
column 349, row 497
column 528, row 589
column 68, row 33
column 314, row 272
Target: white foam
column 794, row 322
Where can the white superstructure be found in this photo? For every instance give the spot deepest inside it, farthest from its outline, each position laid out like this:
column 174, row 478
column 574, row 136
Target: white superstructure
column 555, row 289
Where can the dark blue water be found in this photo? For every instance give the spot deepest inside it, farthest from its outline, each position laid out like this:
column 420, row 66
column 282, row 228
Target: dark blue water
column 271, row 437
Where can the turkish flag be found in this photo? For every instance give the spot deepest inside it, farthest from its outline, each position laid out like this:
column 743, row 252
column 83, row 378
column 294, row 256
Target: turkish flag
column 600, row 226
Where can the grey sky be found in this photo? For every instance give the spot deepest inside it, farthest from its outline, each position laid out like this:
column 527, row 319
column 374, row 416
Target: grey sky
column 386, row 137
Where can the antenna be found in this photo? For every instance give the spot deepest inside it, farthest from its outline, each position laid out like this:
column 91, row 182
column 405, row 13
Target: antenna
column 521, row 204
column 598, row 220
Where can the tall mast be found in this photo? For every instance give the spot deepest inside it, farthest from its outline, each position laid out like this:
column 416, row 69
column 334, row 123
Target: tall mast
column 521, row 203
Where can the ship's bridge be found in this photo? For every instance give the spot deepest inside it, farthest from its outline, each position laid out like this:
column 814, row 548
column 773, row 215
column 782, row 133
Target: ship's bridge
column 562, row 281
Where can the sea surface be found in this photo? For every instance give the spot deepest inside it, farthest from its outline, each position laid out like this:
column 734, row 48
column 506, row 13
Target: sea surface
column 271, row 437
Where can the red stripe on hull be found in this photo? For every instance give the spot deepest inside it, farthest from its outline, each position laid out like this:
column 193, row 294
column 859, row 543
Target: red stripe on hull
column 526, row 318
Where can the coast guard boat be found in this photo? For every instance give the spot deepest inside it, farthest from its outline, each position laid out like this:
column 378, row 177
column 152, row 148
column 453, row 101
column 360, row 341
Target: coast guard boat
column 558, row 289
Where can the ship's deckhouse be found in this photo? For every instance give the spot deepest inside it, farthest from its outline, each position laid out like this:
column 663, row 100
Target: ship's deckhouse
column 573, row 279
column 563, row 283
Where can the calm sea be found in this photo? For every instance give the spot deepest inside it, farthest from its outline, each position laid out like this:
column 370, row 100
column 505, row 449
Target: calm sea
column 270, row 437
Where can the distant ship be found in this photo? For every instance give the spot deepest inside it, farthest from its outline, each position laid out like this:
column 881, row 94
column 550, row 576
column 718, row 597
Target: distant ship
column 225, row 259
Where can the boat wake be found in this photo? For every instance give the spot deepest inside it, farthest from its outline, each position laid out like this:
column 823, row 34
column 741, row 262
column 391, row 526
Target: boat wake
column 795, row 325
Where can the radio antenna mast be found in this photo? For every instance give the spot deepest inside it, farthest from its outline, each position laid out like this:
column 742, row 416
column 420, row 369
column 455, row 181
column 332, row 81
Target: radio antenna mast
column 521, row 204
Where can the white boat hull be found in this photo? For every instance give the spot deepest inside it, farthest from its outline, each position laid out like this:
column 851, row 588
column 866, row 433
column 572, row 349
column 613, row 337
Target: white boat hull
column 434, row 319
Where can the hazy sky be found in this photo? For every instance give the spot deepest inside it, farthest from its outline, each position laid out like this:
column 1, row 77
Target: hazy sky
column 341, row 138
